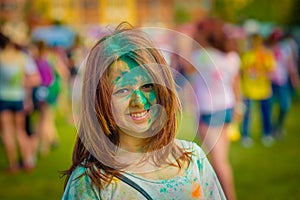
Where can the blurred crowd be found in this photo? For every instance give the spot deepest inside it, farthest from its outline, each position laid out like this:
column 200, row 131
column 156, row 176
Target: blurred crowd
column 261, row 69
column 231, row 71
column 35, row 81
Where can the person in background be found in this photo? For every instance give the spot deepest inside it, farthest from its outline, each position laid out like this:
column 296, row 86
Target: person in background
column 126, row 146
column 75, row 55
column 215, row 87
column 46, row 95
column 257, row 66
column 289, row 41
column 16, row 75
column 285, row 72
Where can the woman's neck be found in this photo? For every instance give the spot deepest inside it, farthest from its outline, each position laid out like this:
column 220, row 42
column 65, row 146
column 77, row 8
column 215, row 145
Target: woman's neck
column 131, row 143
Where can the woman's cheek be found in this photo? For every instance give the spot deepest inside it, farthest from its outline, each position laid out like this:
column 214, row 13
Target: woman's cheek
column 152, row 97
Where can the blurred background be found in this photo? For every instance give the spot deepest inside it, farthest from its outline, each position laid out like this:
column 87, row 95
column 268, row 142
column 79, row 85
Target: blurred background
column 20, row 18
column 68, row 28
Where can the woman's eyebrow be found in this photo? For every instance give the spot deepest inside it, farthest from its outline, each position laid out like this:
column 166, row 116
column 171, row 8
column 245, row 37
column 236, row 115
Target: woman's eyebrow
column 129, row 82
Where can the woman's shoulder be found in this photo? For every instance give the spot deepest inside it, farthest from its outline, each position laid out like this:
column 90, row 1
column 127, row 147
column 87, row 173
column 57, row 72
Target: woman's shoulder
column 78, row 171
column 184, row 143
column 192, row 147
column 78, row 176
column 79, row 186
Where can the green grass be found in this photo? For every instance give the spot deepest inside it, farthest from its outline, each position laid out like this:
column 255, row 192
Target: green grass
column 260, row 172
column 44, row 182
column 269, row 173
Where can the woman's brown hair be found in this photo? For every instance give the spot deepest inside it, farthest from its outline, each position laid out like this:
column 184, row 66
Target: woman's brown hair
column 98, row 139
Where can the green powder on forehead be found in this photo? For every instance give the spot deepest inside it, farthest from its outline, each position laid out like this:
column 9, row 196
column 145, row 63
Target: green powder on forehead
column 129, row 61
column 132, row 72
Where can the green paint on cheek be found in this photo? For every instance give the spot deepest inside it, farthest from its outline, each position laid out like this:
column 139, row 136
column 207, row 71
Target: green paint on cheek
column 152, row 97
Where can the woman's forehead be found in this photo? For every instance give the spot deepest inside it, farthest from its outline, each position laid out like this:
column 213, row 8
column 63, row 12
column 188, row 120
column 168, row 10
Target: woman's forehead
column 127, row 71
column 118, row 66
column 116, row 70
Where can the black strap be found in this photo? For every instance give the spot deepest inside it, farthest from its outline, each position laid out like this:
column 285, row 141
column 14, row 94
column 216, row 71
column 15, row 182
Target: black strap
column 134, row 185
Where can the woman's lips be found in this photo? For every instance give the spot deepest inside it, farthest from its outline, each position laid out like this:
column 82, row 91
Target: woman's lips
column 139, row 115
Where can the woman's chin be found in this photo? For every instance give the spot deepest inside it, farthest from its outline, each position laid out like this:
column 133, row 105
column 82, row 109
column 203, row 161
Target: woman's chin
column 138, row 130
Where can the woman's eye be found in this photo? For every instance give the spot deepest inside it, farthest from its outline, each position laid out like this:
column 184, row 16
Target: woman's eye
column 121, row 91
column 147, row 87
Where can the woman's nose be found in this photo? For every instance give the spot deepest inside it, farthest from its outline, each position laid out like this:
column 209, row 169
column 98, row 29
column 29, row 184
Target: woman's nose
column 138, row 99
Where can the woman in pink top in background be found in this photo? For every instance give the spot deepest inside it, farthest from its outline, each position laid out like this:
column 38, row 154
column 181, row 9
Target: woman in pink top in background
column 217, row 91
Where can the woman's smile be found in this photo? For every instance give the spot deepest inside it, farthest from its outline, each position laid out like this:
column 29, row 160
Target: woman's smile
column 139, row 116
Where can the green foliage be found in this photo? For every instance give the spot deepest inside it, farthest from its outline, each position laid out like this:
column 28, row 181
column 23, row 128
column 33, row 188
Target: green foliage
column 182, row 14
column 262, row 10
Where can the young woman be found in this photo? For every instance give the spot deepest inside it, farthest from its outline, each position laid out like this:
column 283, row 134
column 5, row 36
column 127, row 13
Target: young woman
column 126, row 146
column 17, row 74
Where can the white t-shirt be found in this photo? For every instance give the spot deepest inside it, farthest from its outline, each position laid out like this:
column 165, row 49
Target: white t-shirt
column 282, row 53
column 214, row 79
column 198, row 182
column 12, row 74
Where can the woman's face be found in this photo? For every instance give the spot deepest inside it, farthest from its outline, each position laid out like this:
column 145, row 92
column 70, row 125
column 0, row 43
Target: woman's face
column 132, row 98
